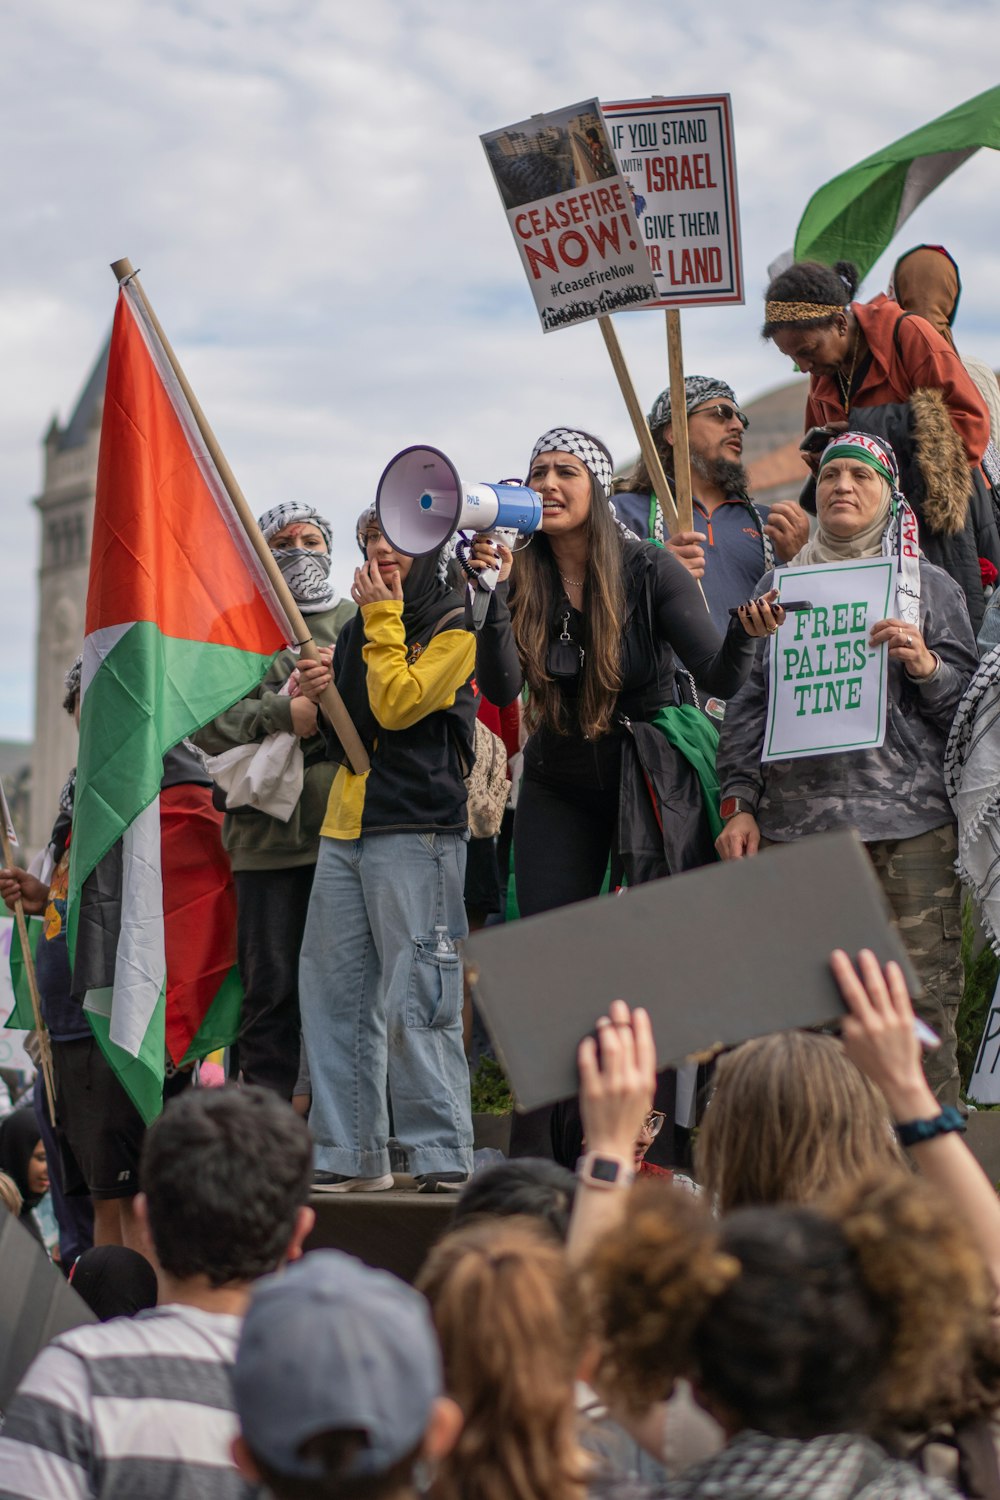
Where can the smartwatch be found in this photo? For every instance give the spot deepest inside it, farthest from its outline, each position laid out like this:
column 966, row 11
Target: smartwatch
column 730, row 806
column 604, row 1171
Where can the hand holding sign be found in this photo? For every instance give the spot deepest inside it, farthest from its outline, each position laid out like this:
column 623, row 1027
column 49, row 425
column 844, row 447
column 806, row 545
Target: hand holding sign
column 906, row 645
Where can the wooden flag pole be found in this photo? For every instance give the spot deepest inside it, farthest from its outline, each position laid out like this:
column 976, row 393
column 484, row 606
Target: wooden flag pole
column 679, row 421
column 44, row 1044
column 651, row 458
column 332, row 703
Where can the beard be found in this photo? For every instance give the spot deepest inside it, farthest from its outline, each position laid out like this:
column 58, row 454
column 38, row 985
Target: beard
column 730, row 477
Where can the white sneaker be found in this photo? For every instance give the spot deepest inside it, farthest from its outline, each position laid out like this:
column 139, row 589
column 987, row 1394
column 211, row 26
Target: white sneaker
column 333, row 1182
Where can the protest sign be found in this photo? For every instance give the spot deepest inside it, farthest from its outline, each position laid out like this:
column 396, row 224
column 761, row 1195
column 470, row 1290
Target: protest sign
column 828, row 689
column 571, row 215
column 679, row 164
column 5, row 817
column 541, row 983
column 37, row 1304
column 984, row 1085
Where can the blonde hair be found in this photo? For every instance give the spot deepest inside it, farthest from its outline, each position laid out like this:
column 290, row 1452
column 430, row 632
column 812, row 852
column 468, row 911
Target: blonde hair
column 10, row 1196
column 507, row 1311
column 791, row 1119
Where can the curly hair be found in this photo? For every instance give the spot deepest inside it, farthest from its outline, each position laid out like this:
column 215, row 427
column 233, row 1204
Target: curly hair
column 795, row 1320
column 811, row 283
column 508, row 1314
column 534, row 596
column 790, row 1118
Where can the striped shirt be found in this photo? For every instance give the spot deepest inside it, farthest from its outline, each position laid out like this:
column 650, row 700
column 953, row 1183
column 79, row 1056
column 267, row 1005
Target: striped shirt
column 137, row 1407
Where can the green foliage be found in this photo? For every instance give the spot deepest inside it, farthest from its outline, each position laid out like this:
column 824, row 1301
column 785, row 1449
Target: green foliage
column 491, row 1093
column 980, row 982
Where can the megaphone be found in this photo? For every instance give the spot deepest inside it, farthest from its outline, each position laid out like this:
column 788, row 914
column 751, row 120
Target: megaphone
column 421, row 502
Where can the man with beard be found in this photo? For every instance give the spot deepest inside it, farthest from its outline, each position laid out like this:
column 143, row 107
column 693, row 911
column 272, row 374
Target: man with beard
column 735, row 541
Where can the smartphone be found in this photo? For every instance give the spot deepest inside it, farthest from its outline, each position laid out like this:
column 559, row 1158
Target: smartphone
column 790, row 606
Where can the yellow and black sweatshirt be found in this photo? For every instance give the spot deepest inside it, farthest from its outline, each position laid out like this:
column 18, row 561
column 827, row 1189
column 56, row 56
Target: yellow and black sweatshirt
column 423, row 700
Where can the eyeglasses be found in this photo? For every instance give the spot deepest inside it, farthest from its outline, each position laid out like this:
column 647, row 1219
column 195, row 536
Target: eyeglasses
column 653, row 1123
column 371, row 537
column 723, row 412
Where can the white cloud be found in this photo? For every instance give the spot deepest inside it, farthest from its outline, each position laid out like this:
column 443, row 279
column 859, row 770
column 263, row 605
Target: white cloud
column 304, row 189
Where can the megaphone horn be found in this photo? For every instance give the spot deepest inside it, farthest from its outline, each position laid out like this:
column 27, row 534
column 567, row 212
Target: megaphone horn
column 421, row 502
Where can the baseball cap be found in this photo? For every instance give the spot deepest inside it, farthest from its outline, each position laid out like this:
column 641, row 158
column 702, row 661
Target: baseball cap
column 328, row 1344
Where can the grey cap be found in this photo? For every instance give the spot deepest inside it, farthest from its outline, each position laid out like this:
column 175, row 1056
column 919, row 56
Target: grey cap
column 328, row 1344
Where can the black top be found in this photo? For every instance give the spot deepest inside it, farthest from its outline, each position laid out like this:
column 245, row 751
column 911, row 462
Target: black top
column 664, row 612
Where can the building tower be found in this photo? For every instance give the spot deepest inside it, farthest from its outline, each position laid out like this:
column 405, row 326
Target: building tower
column 66, row 504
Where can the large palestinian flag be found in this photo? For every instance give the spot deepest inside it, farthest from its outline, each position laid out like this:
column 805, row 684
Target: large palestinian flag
column 856, row 215
column 181, row 623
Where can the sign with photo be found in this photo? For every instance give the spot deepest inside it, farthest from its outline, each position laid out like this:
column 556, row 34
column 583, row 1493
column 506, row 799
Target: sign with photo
column 679, row 163
column 571, row 215
column 828, row 689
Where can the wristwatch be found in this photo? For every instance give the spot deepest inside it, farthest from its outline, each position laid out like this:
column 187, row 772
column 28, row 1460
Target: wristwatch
column 730, row 806
column 604, row 1171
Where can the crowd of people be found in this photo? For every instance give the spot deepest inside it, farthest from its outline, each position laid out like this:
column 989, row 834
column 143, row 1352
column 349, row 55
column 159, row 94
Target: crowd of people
column 800, row 1312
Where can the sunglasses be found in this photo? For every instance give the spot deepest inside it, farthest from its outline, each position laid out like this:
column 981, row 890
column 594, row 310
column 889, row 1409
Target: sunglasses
column 723, row 412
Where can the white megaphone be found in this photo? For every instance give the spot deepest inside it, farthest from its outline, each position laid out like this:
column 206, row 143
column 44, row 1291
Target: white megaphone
column 421, row 502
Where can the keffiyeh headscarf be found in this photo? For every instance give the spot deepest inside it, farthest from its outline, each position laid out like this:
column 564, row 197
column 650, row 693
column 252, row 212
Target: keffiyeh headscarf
column 891, row 533
column 71, row 683
column 697, row 390
column 306, row 573
column 589, row 450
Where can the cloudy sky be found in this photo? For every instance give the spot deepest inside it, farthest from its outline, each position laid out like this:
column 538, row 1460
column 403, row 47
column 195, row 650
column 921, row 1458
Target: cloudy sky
column 303, row 188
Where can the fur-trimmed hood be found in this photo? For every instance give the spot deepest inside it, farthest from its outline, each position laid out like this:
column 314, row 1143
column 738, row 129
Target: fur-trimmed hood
column 942, row 462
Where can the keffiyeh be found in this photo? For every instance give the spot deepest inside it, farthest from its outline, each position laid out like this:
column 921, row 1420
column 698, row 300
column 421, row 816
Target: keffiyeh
column 697, row 390
column 306, row 573
column 972, row 781
column 589, row 450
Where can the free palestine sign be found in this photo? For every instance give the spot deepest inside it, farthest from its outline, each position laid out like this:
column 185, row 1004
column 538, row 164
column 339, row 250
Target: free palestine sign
column 828, row 688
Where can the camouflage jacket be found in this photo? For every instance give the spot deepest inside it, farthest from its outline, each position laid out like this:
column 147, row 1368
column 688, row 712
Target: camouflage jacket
column 894, row 792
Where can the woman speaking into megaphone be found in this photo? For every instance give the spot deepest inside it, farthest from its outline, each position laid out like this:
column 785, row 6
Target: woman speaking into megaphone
column 589, row 617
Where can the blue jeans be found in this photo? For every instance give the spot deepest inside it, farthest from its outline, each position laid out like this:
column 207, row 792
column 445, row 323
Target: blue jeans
column 381, row 999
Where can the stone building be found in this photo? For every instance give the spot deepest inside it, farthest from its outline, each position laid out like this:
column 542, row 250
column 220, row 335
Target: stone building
column 66, row 505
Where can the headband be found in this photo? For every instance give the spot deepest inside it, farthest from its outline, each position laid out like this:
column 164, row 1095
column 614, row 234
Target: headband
column 800, row 312
column 280, row 516
column 587, row 449
column 697, row 390
column 866, row 450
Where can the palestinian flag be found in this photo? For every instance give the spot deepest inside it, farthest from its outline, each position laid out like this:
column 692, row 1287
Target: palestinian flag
column 181, row 623
column 856, row 216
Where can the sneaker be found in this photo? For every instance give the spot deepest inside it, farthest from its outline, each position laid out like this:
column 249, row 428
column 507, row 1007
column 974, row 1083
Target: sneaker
column 441, row 1182
column 333, row 1182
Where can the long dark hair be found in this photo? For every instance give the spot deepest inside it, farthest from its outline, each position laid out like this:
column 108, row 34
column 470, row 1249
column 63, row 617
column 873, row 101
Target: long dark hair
column 534, row 597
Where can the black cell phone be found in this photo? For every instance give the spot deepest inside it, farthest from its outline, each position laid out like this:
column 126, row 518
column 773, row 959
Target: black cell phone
column 816, row 439
column 790, row 606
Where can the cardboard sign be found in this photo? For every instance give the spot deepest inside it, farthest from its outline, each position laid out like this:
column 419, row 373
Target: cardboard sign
column 827, row 689
column 718, row 955
column 5, row 816
column 679, row 163
column 571, row 215
column 984, row 1085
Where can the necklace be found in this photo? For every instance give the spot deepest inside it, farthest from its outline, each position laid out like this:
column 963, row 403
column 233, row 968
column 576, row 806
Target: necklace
column 574, row 583
column 845, row 385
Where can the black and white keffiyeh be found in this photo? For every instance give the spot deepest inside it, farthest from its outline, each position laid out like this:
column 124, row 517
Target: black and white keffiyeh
column 306, row 573
column 972, row 781
column 832, row 1466
column 697, row 390
column 589, row 450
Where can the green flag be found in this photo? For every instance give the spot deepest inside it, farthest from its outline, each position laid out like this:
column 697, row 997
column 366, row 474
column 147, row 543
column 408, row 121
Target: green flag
column 855, row 216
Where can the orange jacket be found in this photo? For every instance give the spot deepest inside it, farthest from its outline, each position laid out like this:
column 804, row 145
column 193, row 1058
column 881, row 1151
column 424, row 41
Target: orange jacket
column 901, row 363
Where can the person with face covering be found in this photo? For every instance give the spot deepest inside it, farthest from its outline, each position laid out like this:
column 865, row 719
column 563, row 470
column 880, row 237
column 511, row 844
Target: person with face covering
column 22, row 1157
column 273, row 858
column 894, row 796
column 380, row 976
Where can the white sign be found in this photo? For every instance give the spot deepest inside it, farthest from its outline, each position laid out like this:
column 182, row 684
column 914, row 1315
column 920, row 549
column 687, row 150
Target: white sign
column 678, row 160
column 571, row 215
column 5, row 816
column 12, row 1053
column 828, row 690
column 984, row 1085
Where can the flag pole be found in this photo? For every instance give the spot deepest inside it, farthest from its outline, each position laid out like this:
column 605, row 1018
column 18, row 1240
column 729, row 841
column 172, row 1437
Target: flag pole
column 331, row 702
column 44, row 1044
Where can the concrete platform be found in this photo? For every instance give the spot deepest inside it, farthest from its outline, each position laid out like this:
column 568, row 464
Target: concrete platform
column 392, row 1230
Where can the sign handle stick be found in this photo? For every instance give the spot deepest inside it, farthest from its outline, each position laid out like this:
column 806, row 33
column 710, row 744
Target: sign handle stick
column 332, row 703
column 654, row 466
column 679, row 421
column 44, row 1045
